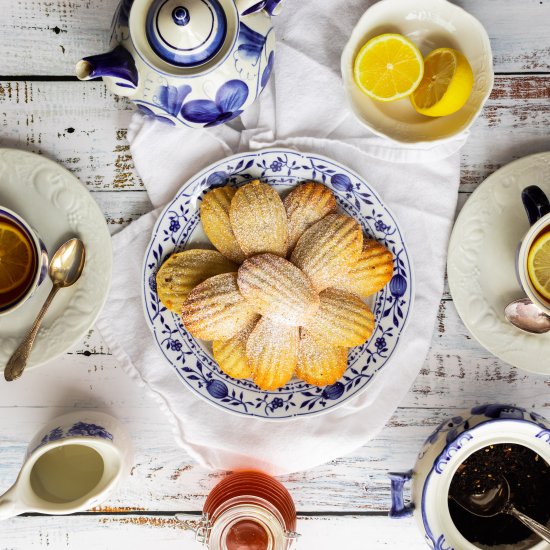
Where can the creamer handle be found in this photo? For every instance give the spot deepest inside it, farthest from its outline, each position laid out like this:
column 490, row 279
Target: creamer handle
column 398, row 507
column 8, row 506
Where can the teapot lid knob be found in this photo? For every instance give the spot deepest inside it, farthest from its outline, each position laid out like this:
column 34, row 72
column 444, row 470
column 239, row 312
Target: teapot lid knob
column 186, row 33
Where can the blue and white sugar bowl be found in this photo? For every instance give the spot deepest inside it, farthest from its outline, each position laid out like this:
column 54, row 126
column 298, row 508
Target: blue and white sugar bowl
column 197, row 62
column 445, row 450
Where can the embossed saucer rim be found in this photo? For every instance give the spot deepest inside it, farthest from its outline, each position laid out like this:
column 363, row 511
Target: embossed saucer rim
column 526, row 351
column 54, row 201
column 191, row 359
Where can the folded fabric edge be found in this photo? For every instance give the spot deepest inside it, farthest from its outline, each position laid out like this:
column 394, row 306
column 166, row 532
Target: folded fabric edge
column 102, row 324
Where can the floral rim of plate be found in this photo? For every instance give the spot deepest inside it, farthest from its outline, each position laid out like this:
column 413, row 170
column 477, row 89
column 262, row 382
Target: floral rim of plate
column 192, row 360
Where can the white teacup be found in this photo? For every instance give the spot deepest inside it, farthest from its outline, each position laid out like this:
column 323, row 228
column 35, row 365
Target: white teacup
column 537, row 207
column 72, row 465
column 40, row 260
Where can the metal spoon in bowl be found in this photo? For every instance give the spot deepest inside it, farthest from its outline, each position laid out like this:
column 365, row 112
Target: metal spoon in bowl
column 525, row 315
column 497, row 501
column 65, row 269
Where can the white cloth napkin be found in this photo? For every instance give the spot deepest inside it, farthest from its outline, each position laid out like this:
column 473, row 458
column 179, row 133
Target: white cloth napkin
column 303, row 108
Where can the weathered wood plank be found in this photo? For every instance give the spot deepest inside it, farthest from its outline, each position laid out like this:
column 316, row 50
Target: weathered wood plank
column 81, row 125
column 48, row 37
column 164, row 533
column 122, row 207
column 165, row 478
column 514, row 123
column 84, row 127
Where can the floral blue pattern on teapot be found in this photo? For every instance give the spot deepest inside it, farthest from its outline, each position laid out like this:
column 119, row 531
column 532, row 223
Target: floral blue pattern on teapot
column 196, row 62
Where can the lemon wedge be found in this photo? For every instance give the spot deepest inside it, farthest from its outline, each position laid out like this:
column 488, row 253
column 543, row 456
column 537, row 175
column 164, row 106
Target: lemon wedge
column 15, row 257
column 388, row 67
column 446, row 86
column 538, row 265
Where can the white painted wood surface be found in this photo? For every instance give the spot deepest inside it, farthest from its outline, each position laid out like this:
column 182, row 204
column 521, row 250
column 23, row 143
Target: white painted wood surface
column 84, row 128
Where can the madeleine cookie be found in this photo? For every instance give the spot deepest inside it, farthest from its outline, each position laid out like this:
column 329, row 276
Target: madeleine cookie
column 215, row 221
column 320, row 365
column 372, row 272
column 305, row 205
column 343, row 320
column 231, row 354
column 328, row 249
column 258, row 219
column 215, row 310
column 272, row 351
column 183, row 271
column 277, row 289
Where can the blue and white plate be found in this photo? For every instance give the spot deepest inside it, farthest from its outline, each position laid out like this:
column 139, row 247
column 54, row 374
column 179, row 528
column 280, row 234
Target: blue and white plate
column 178, row 228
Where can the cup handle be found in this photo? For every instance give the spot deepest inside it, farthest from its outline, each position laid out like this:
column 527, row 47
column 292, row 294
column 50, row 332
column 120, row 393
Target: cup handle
column 535, row 202
column 399, row 509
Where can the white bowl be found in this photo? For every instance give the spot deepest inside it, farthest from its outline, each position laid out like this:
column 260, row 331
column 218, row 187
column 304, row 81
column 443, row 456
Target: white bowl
column 430, row 24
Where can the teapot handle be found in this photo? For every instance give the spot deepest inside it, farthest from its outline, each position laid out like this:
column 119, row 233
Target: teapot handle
column 246, row 7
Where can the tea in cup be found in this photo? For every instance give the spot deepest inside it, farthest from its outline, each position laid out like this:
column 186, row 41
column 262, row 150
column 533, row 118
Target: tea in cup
column 533, row 257
column 23, row 261
column 72, row 465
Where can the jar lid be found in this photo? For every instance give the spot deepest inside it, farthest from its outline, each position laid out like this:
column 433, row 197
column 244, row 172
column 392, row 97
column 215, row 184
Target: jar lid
column 186, row 33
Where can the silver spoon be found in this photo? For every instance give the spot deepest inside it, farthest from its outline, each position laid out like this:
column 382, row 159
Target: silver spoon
column 497, row 501
column 526, row 316
column 65, row 269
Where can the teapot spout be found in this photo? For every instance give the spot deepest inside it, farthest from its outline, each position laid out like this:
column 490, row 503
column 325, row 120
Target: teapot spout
column 117, row 64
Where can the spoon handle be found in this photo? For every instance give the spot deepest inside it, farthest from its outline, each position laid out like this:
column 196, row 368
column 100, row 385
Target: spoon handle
column 18, row 361
column 535, row 526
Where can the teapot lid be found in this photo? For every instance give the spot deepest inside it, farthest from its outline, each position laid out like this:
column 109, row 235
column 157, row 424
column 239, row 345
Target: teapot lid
column 186, row 33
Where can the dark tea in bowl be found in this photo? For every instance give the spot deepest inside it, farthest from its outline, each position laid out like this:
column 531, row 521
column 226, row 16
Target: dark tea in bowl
column 505, row 442
column 528, row 475
column 23, row 261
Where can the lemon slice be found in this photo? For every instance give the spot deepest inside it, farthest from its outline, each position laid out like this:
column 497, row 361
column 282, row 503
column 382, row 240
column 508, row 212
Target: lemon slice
column 388, row 67
column 15, row 257
column 538, row 265
column 446, row 86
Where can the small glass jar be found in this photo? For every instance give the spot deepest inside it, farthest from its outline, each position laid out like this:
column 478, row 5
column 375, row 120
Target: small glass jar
column 247, row 511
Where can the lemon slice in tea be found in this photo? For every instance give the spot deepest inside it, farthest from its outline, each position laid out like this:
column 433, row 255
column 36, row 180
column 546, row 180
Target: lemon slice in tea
column 538, row 265
column 16, row 257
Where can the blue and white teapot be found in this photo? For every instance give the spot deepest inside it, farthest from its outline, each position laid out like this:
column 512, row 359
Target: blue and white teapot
column 196, row 62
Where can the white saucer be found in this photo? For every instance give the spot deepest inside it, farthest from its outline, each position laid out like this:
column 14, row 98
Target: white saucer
column 481, row 262
column 58, row 207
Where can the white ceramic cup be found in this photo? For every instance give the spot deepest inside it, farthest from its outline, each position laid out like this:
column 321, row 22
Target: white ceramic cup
column 537, row 207
column 41, row 258
column 71, row 465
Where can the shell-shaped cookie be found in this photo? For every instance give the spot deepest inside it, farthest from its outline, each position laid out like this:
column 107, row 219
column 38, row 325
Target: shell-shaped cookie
column 183, row 271
column 231, row 354
column 372, row 272
column 258, row 219
column 215, row 310
column 272, row 351
column 328, row 249
column 343, row 320
column 215, row 221
column 277, row 289
column 320, row 365
column 305, row 205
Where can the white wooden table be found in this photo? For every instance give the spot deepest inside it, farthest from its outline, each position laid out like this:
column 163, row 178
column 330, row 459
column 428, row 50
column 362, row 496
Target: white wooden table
column 343, row 504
